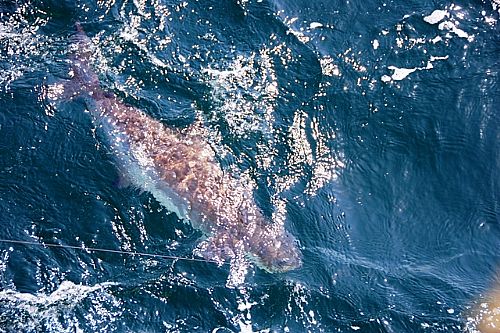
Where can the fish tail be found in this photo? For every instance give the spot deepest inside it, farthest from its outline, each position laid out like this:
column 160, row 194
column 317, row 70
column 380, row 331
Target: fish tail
column 83, row 78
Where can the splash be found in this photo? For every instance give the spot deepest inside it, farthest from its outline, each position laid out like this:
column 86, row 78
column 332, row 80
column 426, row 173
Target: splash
column 59, row 310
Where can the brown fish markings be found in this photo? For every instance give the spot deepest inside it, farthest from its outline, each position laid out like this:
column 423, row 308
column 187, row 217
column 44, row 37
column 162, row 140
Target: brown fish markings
column 181, row 171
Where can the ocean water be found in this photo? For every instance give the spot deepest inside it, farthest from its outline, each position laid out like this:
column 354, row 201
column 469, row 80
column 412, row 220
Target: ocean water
column 371, row 126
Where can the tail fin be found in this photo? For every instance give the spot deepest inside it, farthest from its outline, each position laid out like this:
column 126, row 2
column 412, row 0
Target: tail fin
column 83, row 78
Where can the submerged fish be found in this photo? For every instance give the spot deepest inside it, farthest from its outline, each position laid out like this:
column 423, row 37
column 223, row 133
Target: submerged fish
column 179, row 168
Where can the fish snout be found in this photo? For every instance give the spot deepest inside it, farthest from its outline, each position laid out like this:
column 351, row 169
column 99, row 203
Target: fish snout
column 278, row 256
column 285, row 264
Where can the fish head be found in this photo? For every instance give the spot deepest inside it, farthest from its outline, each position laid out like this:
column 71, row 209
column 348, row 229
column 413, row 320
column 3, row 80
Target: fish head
column 277, row 252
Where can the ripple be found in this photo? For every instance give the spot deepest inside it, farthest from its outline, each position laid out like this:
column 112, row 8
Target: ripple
column 391, row 186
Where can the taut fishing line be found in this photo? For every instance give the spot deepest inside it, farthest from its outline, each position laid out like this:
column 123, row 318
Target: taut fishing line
column 95, row 249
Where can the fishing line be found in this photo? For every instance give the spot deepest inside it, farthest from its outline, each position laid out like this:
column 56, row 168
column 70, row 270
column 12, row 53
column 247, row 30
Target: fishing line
column 95, row 249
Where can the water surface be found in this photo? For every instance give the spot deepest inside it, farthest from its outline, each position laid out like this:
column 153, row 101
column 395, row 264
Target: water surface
column 371, row 127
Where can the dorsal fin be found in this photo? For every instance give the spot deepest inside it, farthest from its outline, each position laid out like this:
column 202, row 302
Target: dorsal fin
column 83, row 79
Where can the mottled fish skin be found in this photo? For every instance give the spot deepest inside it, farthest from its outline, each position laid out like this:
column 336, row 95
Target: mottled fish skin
column 181, row 171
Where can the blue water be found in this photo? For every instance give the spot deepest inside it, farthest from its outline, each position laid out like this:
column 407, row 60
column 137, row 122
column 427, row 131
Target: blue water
column 373, row 129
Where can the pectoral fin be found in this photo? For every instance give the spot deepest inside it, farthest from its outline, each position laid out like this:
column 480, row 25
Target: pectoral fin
column 212, row 249
column 221, row 247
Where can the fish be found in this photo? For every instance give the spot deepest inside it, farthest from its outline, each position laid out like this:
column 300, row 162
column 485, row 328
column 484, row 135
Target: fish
column 180, row 169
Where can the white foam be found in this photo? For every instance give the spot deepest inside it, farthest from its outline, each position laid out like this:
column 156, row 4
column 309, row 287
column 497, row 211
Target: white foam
column 315, row 25
column 30, row 312
column 243, row 317
column 496, row 5
column 66, row 290
column 436, row 39
column 451, row 26
column 385, row 78
column 438, row 58
column 446, row 23
column 300, row 35
column 401, row 73
column 300, row 299
column 436, row 16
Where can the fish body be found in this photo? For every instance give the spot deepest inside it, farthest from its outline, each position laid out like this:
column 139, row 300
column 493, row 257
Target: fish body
column 179, row 168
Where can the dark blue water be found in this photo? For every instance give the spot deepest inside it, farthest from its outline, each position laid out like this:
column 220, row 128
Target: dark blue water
column 373, row 126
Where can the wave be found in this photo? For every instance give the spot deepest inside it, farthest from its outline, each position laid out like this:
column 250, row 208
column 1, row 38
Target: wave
column 70, row 308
